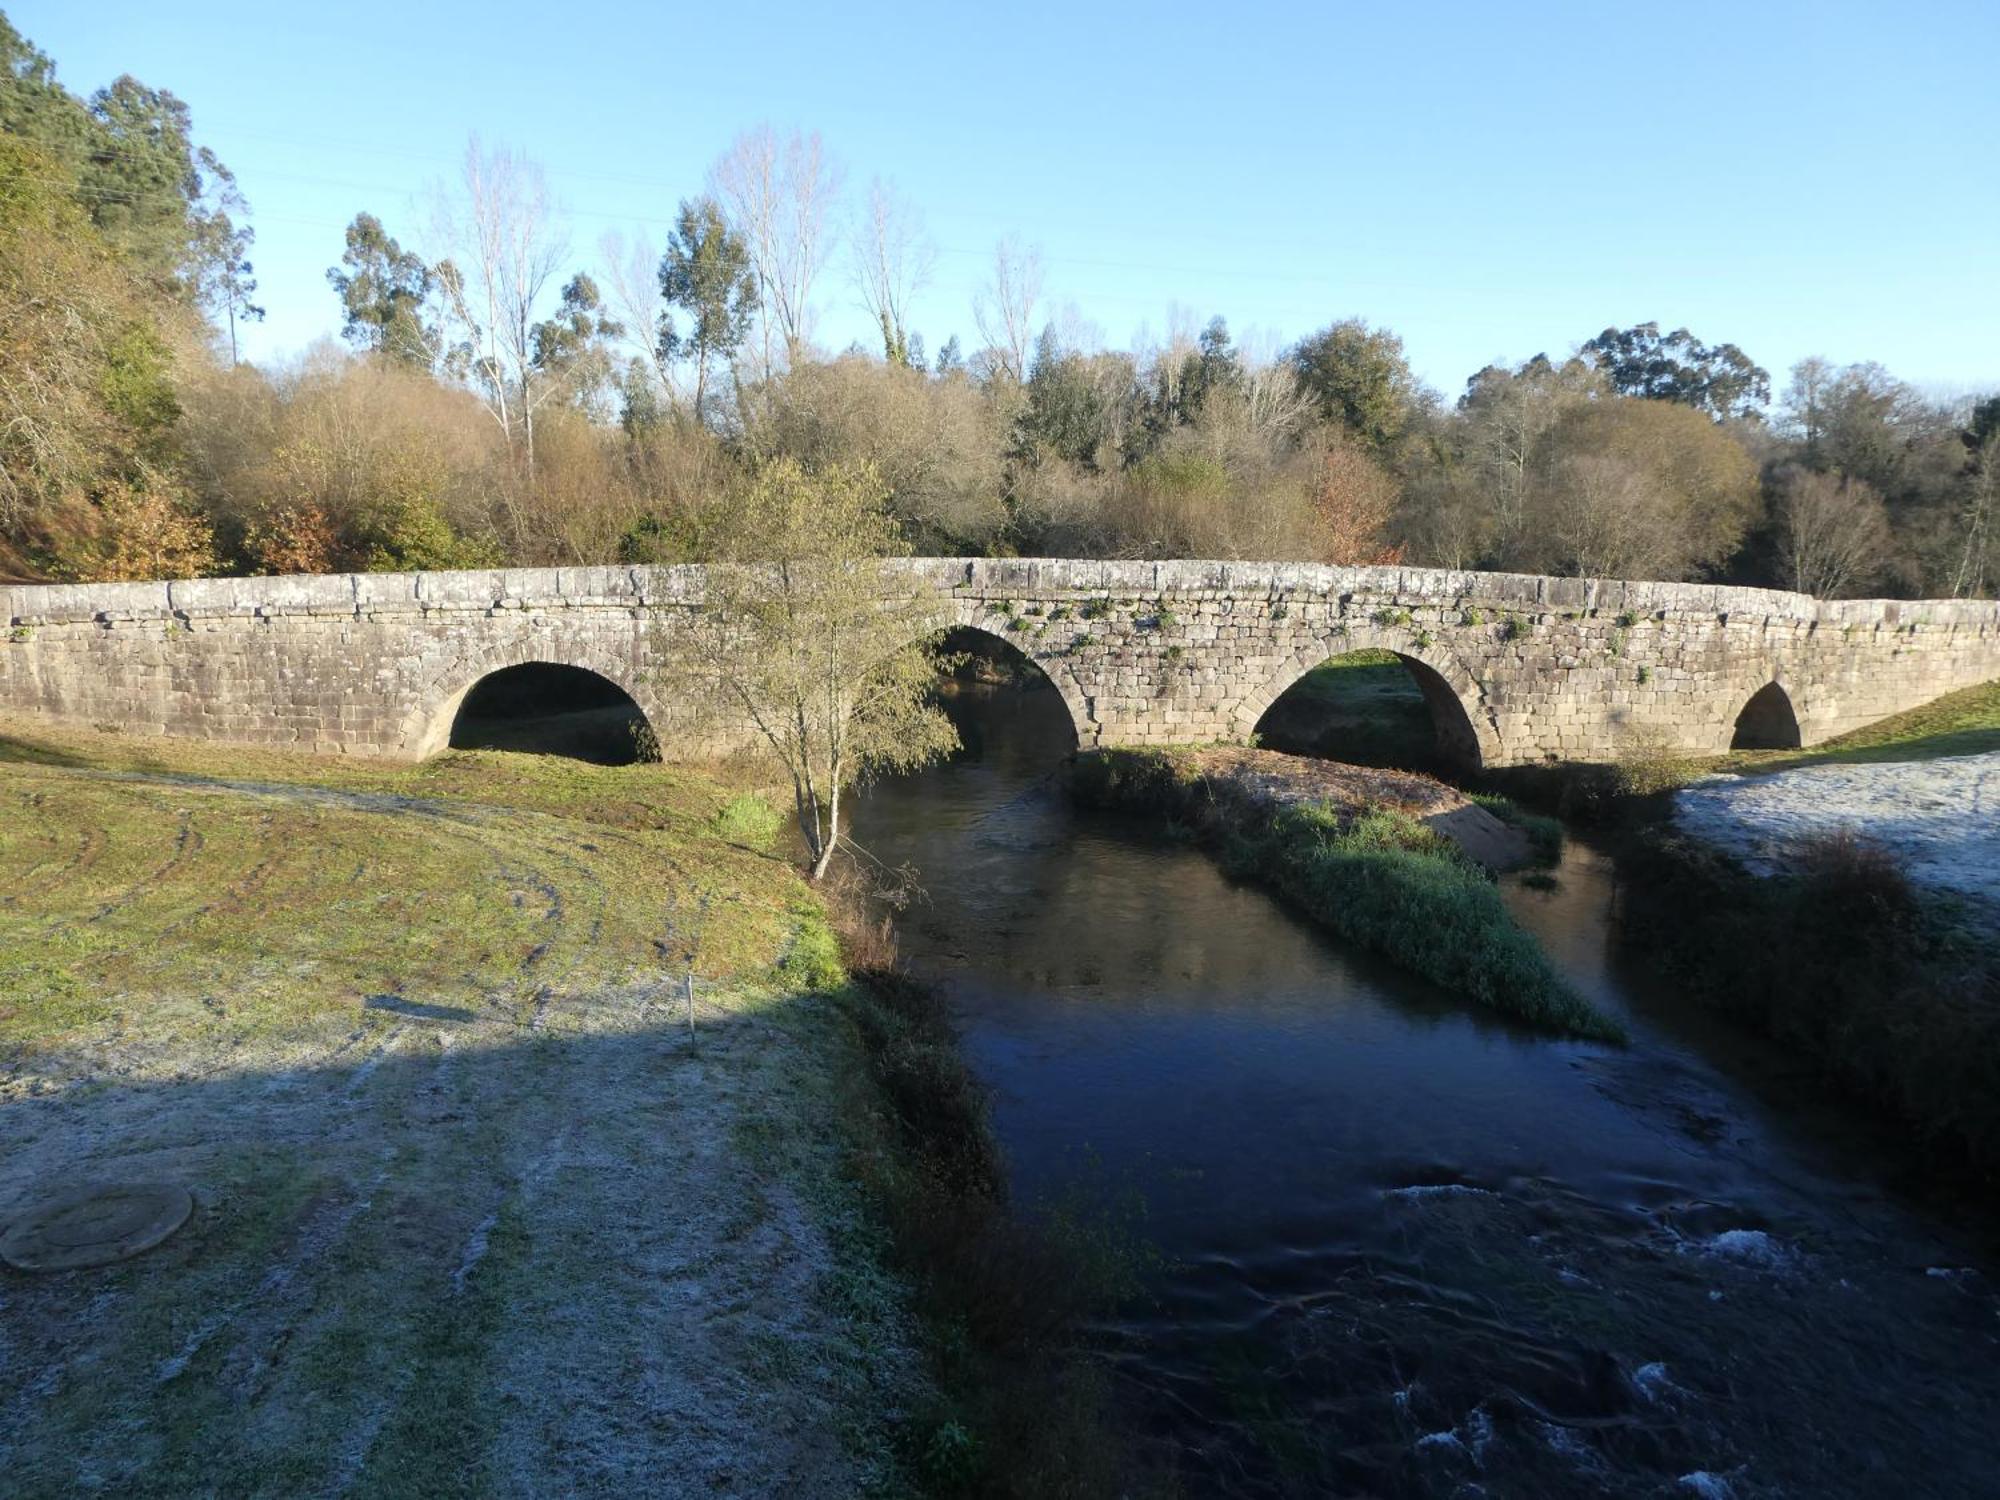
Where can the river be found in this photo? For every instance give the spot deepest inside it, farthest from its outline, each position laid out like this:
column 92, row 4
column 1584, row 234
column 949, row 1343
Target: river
column 1396, row 1245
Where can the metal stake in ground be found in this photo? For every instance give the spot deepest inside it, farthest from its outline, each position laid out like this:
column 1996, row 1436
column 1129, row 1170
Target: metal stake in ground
column 692, row 930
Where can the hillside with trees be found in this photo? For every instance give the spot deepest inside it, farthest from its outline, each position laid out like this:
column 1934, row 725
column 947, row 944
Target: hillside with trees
column 497, row 397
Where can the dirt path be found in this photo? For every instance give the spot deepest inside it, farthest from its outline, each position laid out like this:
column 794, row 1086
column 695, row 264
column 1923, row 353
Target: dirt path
column 474, row 1213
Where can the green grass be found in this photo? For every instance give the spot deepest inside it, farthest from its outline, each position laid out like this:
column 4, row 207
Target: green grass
column 1386, row 882
column 1362, row 707
column 1379, row 878
column 160, row 887
column 748, row 819
column 1961, row 723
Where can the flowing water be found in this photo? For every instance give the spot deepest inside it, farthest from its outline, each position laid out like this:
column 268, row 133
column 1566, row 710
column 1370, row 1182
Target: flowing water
column 1403, row 1247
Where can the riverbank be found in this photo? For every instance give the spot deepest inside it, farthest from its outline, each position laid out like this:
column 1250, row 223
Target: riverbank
column 1852, row 910
column 1019, row 1407
column 1815, row 901
column 477, row 1207
column 1370, row 854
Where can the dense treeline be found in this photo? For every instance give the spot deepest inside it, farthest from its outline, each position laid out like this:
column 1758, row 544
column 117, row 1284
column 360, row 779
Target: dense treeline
column 498, row 400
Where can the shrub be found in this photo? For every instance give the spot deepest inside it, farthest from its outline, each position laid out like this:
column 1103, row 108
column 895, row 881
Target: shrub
column 1652, row 766
column 1390, row 884
column 749, row 820
column 1893, row 992
column 813, row 960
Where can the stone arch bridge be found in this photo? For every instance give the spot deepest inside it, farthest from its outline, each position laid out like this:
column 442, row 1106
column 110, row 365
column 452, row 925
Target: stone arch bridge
column 1516, row 669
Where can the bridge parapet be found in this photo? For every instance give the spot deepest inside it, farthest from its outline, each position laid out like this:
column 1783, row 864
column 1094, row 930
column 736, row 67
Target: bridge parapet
column 1516, row 667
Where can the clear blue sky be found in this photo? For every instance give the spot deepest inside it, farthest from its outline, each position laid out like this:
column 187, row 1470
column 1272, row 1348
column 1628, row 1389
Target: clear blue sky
column 1487, row 179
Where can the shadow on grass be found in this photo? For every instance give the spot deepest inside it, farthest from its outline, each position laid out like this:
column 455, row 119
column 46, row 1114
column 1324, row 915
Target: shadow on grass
column 365, row 1232
column 418, row 1010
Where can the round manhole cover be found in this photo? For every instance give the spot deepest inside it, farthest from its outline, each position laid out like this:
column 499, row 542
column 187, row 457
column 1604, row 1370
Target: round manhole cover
column 94, row 1226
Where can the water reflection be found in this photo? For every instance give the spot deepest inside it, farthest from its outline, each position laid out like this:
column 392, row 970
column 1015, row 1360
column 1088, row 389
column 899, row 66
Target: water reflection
column 1409, row 1247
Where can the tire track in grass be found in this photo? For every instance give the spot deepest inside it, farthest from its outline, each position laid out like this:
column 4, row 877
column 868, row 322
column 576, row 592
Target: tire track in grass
column 431, row 1273
column 442, row 1348
column 319, row 1235
column 188, row 844
column 90, row 841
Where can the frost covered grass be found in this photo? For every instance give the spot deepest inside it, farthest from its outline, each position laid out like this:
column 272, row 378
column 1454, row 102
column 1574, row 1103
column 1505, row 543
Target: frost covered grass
column 1378, row 877
column 473, row 1213
column 1936, row 817
column 1845, row 908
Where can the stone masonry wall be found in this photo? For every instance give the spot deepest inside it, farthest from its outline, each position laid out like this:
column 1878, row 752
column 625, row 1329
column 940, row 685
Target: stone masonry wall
column 1516, row 668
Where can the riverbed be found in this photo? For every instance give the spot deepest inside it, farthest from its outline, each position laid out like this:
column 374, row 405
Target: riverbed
column 1393, row 1245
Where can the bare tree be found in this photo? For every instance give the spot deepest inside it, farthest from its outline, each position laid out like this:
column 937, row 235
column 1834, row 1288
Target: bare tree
column 1276, row 404
column 1832, row 531
column 504, row 250
column 893, row 258
column 632, row 277
column 1005, row 310
column 1509, row 415
column 1803, row 407
column 1637, row 489
column 779, row 196
column 1607, row 518
column 808, row 640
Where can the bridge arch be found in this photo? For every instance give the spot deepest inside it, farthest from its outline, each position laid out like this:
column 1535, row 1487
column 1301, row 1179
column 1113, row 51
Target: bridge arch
column 427, row 729
column 1767, row 720
column 1082, row 721
column 1466, row 734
